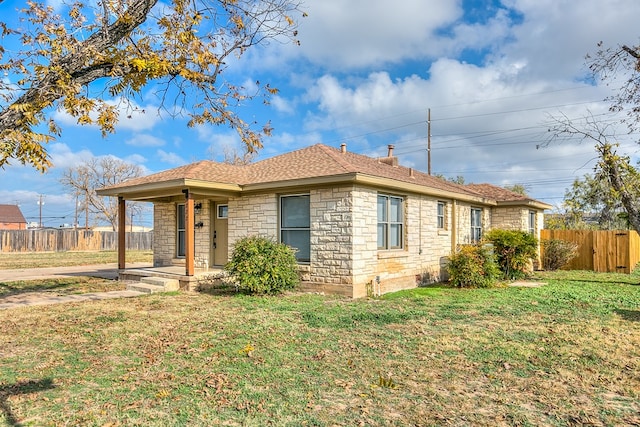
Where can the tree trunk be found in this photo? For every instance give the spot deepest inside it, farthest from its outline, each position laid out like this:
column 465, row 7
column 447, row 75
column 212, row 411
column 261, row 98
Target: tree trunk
column 611, row 168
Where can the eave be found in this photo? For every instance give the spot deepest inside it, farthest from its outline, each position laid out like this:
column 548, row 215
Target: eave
column 167, row 189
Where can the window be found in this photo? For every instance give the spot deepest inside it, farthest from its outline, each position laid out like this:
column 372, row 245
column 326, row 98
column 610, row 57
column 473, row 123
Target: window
column 476, row 224
column 390, row 222
column 532, row 222
column 295, row 229
column 442, row 208
column 181, row 231
column 223, row 211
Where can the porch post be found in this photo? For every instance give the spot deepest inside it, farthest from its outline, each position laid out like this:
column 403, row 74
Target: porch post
column 121, row 233
column 189, row 239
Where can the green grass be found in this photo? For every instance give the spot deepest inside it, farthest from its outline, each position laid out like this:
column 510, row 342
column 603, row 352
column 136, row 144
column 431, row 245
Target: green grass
column 567, row 353
column 14, row 260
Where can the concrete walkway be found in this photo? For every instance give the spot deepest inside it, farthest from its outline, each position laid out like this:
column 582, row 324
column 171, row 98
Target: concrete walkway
column 105, row 271
column 34, row 298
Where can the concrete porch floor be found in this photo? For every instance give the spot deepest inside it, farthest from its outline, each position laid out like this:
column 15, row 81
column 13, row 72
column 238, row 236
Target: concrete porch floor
column 176, row 272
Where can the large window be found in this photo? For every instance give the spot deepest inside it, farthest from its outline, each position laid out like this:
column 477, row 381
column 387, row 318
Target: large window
column 476, row 224
column 181, row 231
column 295, row 225
column 390, row 222
column 442, row 209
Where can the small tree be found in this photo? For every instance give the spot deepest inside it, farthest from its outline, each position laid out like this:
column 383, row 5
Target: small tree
column 260, row 265
column 557, row 253
column 514, row 250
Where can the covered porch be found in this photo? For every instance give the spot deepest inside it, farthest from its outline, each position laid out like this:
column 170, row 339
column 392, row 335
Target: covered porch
column 190, row 235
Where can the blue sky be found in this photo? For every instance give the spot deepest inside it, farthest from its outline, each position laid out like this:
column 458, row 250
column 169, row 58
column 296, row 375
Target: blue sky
column 366, row 73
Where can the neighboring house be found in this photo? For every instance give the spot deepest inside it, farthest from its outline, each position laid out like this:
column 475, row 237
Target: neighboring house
column 361, row 225
column 11, row 218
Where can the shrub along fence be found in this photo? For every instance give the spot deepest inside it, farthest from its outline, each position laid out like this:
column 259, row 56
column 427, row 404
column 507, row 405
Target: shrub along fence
column 54, row 240
column 601, row 251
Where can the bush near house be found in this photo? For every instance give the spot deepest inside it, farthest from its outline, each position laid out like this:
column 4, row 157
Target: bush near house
column 260, row 265
column 557, row 253
column 473, row 266
column 514, row 250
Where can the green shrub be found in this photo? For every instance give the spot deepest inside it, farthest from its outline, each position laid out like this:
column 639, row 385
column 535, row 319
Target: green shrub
column 557, row 253
column 514, row 250
column 260, row 265
column 472, row 266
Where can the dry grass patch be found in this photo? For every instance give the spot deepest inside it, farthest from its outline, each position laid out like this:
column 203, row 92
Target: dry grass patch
column 59, row 286
column 562, row 354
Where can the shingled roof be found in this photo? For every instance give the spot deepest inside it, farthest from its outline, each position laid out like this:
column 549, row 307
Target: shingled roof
column 317, row 162
column 11, row 214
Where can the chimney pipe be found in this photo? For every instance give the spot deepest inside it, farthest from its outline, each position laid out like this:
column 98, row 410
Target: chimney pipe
column 343, row 148
column 390, row 153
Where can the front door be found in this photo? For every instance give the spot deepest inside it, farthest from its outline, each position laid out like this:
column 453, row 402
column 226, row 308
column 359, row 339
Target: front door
column 219, row 234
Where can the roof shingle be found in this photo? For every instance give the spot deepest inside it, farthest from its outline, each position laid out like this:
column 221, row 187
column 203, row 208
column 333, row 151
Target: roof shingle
column 316, row 161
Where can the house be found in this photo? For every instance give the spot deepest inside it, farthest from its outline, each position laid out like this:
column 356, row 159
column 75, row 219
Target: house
column 360, row 225
column 11, row 218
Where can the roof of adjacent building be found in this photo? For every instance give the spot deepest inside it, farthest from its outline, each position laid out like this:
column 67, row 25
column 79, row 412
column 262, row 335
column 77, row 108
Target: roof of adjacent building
column 316, row 162
column 497, row 193
column 11, row 214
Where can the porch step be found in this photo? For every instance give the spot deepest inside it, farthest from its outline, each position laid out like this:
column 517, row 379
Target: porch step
column 151, row 285
column 144, row 287
column 168, row 285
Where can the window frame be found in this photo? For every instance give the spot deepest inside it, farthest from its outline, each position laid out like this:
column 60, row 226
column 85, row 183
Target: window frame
column 219, row 215
column 532, row 222
column 441, row 217
column 283, row 229
column 476, row 229
column 388, row 225
column 181, row 233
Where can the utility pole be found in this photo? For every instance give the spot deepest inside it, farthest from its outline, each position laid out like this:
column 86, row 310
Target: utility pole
column 40, row 203
column 429, row 141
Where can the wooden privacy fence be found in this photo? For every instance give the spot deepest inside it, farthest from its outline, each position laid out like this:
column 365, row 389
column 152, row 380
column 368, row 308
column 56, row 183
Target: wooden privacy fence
column 601, row 251
column 70, row 240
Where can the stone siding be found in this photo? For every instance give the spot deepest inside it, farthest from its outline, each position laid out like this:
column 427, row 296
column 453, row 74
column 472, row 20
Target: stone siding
column 164, row 234
column 510, row 218
column 255, row 215
column 331, row 236
column 202, row 235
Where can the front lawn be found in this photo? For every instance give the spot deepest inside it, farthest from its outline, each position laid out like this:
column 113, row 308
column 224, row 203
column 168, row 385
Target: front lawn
column 567, row 353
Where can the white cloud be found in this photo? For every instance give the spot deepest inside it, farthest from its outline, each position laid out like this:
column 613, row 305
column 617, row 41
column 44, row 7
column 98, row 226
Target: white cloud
column 172, row 159
column 63, row 156
column 365, row 32
column 145, row 140
column 135, row 159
